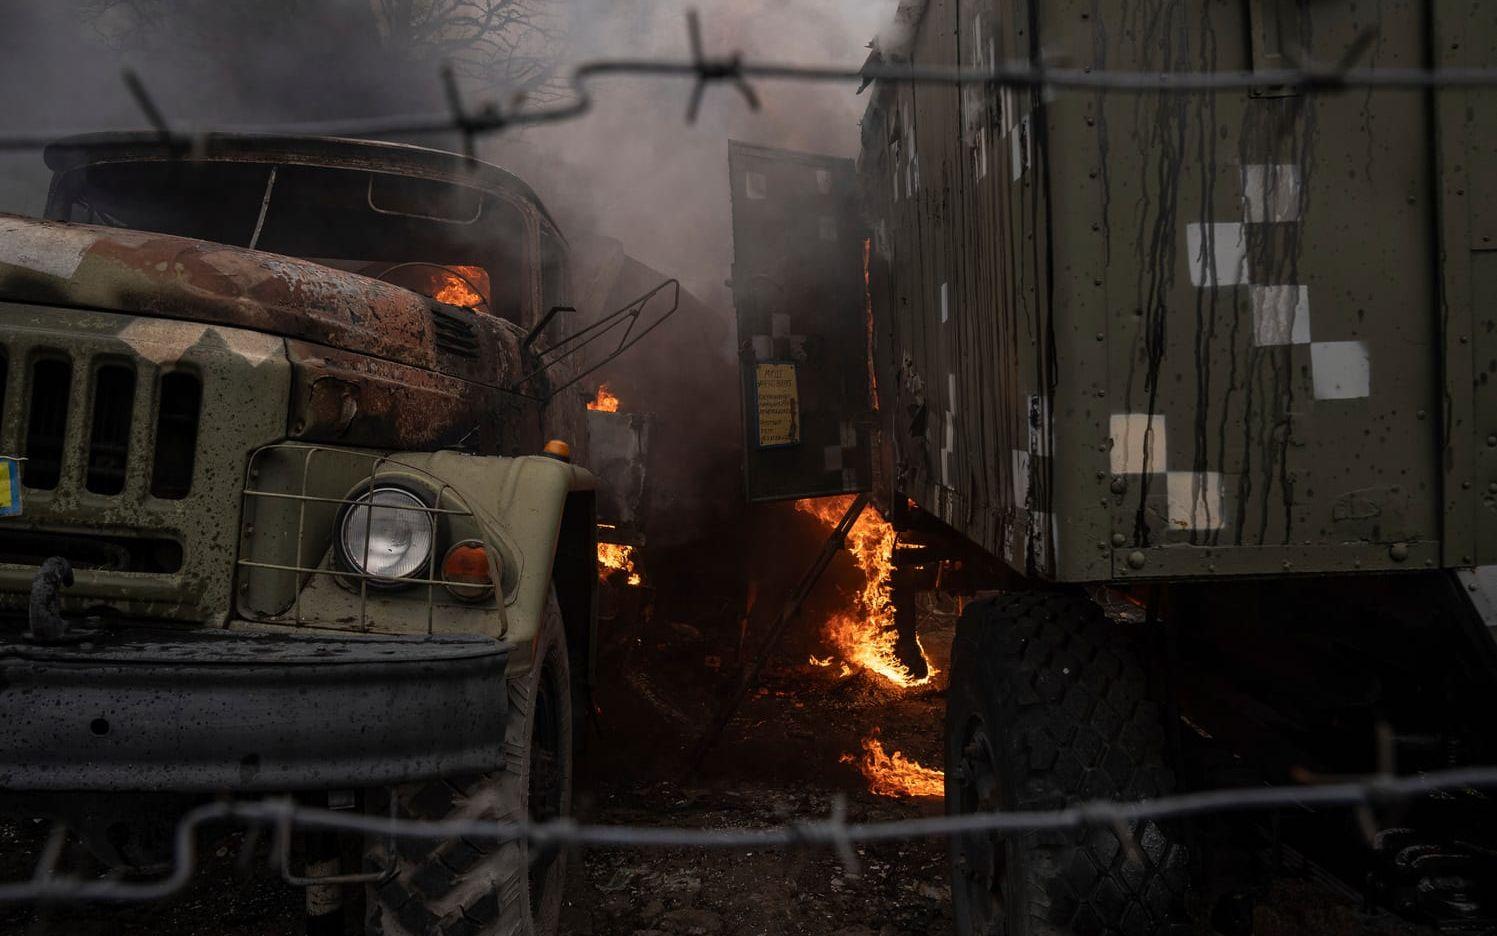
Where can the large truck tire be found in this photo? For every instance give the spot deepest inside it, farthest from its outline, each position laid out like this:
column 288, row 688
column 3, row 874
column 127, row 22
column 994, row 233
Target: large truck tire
column 472, row 888
column 1049, row 706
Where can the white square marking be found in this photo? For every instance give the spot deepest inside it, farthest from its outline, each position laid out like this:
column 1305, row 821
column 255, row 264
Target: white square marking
column 755, row 186
column 1342, row 370
column 945, row 304
column 951, row 392
column 763, row 347
column 1271, row 193
column 1195, row 500
column 1131, row 434
column 1281, row 315
column 1021, row 478
column 1227, row 264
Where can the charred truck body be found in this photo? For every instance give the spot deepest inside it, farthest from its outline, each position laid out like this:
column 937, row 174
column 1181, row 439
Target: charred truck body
column 277, row 517
column 1202, row 383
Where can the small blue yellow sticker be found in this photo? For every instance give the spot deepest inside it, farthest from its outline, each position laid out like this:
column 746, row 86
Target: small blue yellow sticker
column 10, row 487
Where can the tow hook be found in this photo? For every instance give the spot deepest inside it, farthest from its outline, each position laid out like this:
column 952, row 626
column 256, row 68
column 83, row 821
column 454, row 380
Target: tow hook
column 47, row 624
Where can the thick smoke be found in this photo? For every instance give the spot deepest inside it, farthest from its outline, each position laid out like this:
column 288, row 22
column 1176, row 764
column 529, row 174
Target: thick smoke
column 633, row 170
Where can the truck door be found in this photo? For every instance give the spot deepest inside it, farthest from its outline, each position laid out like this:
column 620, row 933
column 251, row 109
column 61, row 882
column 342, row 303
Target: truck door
column 799, row 291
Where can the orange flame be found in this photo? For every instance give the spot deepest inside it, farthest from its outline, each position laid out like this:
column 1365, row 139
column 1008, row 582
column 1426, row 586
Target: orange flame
column 605, row 402
column 456, row 287
column 894, row 774
column 865, row 635
column 614, row 558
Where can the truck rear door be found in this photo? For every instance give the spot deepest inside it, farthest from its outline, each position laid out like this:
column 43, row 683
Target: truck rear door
column 803, row 340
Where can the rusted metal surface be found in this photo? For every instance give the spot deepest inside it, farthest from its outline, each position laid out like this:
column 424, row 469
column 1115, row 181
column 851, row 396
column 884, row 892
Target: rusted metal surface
column 85, row 266
column 1191, row 335
column 343, row 398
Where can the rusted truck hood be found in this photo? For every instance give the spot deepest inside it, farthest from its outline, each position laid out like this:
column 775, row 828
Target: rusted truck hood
column 136, row 272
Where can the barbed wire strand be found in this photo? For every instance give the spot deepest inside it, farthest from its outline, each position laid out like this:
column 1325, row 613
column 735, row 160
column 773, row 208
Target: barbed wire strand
column 734, row 70
column 833, row 832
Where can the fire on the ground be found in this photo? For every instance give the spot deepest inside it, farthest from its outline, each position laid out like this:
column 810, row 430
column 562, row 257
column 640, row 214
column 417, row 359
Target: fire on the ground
column 863, row 636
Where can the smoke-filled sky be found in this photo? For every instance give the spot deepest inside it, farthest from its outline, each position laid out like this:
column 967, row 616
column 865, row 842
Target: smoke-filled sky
column 633, row 169
column 661, row 186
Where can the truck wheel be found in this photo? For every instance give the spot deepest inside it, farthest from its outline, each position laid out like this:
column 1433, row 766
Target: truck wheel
column 467, row 888
column 1048, row 706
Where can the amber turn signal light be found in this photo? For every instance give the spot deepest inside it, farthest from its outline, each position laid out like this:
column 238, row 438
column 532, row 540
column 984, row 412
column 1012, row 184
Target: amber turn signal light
column 558, row 450
column 465, row 571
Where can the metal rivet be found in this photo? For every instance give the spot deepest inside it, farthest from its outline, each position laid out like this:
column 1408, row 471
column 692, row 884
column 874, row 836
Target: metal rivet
column 1492, row 488
column 1466, row 484
column 1492, row 441
column 1120, row 485
column 1136, row 559
column 1119, row 540
column 1420, row 414
column 1398, row 552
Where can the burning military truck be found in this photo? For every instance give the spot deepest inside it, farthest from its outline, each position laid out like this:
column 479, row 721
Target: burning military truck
column 294, row 504
column 1200, row 384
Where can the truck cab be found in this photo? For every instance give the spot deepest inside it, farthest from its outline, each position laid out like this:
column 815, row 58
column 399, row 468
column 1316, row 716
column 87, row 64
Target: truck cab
column 281, row 512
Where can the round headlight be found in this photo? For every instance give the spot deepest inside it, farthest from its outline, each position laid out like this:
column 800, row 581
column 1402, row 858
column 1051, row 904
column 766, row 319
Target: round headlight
column 387, row 534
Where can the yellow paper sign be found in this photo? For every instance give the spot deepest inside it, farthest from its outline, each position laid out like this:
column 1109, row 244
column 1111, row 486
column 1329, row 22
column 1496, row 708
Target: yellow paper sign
column 10, row 487
column 779, row 405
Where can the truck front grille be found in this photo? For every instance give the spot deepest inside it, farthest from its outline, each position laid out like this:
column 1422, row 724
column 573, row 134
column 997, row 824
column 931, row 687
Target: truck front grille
column 169, row 428
column 134, row 455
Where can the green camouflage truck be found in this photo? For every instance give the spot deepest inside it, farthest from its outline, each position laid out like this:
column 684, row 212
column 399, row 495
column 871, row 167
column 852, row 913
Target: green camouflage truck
column 282, row 513
column 1202, row 383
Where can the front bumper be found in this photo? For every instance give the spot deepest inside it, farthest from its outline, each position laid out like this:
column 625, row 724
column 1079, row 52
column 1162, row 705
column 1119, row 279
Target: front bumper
column 150, row 709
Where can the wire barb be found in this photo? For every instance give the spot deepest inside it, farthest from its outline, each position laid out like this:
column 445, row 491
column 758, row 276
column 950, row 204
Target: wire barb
column 707, row 70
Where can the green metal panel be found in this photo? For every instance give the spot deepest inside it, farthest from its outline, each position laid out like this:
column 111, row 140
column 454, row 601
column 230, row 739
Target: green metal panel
column 1136, row 336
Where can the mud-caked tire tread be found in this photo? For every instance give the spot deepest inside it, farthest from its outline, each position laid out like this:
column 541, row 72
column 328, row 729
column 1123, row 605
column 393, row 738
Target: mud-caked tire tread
column 1066, row 693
